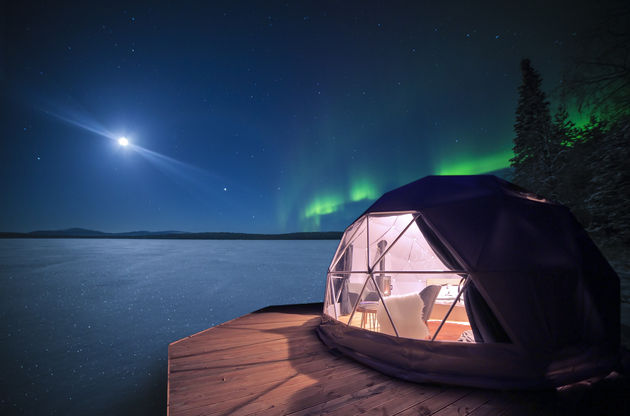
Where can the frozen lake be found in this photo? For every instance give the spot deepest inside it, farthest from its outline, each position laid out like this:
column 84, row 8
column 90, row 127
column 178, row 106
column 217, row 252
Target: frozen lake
column 85, row 324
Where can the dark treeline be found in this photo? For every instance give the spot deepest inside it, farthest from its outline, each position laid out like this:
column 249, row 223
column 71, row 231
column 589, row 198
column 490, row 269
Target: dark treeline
column 586, row 167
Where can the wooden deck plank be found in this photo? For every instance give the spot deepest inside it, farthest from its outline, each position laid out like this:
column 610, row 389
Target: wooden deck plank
column 229, row 328
column 240, row 339
column 290, row 394
column 467, row 404
column 233, row 389
column 323, row 391
column 398, row 403
column 230, row 337
column 359, row 398
column 305, row 365
column 360, row 403
column 270, row 362
column 436, row 403
column 207, row 361
column 276, row 347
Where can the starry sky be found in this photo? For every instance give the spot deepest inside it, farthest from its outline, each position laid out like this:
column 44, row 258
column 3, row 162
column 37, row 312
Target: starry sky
column 262, row 117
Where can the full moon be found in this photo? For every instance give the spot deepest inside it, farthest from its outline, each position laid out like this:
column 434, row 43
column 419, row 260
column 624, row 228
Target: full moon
column 123, row 141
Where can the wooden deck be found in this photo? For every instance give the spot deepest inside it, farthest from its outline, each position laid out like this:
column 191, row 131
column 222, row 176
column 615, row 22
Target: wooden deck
column 271, row 362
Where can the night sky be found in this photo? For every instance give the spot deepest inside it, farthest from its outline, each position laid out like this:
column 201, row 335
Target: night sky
column 256, row 116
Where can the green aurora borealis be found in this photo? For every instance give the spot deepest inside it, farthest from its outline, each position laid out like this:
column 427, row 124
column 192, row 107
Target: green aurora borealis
column 475, row 166
column 367, row 189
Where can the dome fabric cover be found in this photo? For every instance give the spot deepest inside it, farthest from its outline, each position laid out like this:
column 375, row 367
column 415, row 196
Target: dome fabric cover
column 550, row 289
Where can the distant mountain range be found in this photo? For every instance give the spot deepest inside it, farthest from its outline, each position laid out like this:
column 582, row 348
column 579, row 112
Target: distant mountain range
column 179, row 235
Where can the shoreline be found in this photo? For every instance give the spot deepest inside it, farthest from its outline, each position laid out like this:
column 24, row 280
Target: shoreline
column 324, row 235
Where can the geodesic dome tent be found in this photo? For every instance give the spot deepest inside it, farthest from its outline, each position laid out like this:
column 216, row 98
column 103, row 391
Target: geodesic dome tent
column 471, row 280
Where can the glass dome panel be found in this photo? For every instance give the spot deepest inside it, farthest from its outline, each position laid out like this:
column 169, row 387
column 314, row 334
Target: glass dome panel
column 365, row 312
column 411, row 252
column 353, row 256
column 383, row 230
column 344, row 290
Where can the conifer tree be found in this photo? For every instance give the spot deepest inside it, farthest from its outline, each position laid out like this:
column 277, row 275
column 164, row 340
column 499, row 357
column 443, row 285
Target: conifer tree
column 607, row 195
column 564, row 136
column 532, row 150
column 564, row 130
